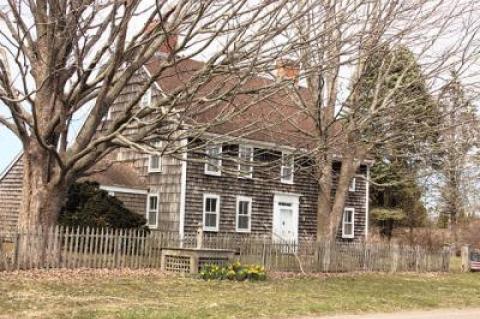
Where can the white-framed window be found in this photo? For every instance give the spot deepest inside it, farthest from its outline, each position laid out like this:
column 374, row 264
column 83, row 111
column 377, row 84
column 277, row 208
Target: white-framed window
column 244, row 214
column 348, row 224
column 146, row 98
column 213, row 166
column 245, row 156
column 155, row 161
column 286, row 172
column 211, row 212
column 353, row 185
column 152, row 210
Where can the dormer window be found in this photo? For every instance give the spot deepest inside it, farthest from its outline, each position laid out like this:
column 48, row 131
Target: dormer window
column 146, row 98
column 213, row 165
column 245, row 157
column 286, row 172
column 155, row 161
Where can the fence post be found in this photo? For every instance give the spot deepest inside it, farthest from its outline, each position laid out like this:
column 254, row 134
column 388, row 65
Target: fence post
column 446, row 258
column 465, row 258
column 395, row 252
column 200, row 237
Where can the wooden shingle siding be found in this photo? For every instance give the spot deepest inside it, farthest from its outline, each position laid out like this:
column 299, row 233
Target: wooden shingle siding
column 356, row 200
column 11, row 196
column 261, row 188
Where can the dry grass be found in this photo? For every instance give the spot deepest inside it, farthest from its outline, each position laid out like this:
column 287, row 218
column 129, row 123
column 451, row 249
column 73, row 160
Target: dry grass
column 151, row 294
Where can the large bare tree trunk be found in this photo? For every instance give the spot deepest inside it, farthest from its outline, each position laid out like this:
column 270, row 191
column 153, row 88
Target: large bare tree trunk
column 43, row 197
column 324, row 199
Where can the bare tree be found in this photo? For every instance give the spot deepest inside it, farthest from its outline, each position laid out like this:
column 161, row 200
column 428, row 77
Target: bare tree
column 357, row 113
column 458, row 139
column 68, row 58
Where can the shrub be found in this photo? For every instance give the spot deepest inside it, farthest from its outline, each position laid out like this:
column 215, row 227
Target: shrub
column 234, row 271
column 88, row 205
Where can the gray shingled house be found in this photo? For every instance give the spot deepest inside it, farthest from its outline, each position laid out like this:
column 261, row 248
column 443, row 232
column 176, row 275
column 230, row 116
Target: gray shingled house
column 271, row 192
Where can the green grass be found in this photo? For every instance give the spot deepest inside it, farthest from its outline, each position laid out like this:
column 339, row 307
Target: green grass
column 89, row 294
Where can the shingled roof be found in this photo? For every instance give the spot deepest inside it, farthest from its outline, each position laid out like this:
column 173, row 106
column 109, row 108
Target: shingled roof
column 273, row 117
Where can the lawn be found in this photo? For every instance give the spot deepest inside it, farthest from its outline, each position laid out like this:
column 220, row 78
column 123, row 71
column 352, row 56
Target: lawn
column 135, row 294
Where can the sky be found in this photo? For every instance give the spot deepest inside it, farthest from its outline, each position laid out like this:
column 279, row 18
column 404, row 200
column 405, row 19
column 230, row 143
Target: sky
column 10, row 146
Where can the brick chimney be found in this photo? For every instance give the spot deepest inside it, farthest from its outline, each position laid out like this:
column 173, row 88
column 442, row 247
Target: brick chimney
column 287, row 69
column 170, row 44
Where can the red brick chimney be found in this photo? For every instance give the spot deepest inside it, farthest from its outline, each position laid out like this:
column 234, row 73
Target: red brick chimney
column 170, row 44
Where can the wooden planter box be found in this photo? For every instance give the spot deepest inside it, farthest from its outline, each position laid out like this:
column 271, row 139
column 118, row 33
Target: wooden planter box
column 191, row 260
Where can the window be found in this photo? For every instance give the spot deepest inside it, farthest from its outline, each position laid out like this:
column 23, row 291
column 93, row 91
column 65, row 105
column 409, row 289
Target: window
column 245, row 155
column 348, row 225
column 155, row 161
column 152, row 210
column 211, row 209
column 244, row 213
column 146, row 98
column 214, row 162
column 353, row 184
column 287, row 168
column 111, row 193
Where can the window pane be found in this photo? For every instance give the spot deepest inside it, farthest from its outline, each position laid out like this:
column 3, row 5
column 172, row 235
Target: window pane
column 153, row 202
column 213, row 158
column 211, row 205
column 152, row 218
column 154, row 162
column 243, row 222
column 243, row 207
column 210, row 220
column 348, row 216
column 286, row 173
column 348, row 229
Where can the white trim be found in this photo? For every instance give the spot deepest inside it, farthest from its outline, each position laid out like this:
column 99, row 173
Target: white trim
column 367, row 201
column 208, row 228
column 219, row 165
column 258, row 144
column 10, row 166
column 353, row 185
column 183, row 191
column 280, row 193
column 121, row 189
column 150, row 76
column 160, row 164
column 295, row 200
column 350, row 209
column 147, row 95
column 240, row 175
column 147, row 211
column 249, row 215
column 292, row 167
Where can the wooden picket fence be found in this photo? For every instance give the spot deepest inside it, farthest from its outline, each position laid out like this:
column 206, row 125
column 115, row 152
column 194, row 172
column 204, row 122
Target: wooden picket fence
column 66, row 247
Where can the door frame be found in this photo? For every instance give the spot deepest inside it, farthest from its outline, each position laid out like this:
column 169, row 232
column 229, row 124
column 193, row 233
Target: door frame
column 289, row 198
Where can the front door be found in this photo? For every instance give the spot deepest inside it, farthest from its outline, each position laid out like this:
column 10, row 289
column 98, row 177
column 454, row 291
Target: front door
column 285, row 218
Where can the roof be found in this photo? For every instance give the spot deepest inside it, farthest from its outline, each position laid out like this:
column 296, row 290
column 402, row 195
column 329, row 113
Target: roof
column 120, row 174
column 272, row 116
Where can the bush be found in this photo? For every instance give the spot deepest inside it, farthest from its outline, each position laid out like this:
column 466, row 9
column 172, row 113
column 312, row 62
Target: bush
column 88, row 205
column 234, row 271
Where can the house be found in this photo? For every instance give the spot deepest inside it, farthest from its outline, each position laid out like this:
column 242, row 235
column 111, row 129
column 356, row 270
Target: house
column 242, row 183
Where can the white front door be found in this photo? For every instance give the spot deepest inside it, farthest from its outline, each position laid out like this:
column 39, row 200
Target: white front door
column 285, row 218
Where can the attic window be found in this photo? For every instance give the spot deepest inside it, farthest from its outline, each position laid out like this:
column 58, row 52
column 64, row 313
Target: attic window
column 286, row 172
column 155, row 160
column 245, row 155
column 213, row 166
column 146, row 98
